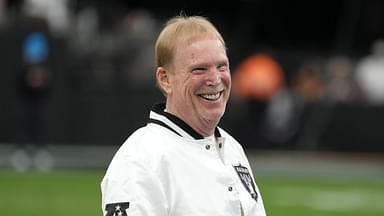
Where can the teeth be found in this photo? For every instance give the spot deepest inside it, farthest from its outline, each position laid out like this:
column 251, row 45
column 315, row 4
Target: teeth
column 211, row 96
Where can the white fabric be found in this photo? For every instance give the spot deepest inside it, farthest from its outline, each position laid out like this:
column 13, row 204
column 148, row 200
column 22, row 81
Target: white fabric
column 164, row 174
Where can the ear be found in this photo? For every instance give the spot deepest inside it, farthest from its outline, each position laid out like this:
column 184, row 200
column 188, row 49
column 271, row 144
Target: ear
column 163, row 80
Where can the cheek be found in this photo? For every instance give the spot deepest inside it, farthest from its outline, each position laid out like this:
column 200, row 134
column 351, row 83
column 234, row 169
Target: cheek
column 179, row 84
column 194, row 83
column 226, row 78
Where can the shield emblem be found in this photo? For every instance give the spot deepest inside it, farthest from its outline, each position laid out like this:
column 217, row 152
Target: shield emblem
column 247, row 180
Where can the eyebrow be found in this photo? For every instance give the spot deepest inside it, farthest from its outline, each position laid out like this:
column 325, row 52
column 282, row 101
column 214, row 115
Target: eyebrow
column 220, row 62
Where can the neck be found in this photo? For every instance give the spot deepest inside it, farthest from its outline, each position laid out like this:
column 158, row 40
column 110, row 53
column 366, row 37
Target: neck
column 205, row 127
column 202, row 126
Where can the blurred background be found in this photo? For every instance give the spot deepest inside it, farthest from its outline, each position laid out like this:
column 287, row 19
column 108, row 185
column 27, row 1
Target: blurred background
column 77, row 78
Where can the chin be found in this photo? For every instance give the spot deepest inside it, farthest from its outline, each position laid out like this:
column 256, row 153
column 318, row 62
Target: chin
column 215, row 116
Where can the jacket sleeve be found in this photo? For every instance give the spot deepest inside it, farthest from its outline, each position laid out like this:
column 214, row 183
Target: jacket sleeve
column 132, row 188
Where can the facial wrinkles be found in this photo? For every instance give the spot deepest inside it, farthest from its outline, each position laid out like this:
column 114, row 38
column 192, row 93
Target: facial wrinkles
column 213, row 82
column 187, row 103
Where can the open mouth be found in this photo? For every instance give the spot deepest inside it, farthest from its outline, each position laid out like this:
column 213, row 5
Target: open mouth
column 211, row 96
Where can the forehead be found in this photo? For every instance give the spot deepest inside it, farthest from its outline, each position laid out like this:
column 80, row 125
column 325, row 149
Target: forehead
column 200, row 50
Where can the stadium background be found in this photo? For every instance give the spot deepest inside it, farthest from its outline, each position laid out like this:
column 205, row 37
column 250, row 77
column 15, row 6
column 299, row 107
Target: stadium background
column 101, row 66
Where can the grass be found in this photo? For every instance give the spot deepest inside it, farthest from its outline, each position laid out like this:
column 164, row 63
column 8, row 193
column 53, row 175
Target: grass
column 322, row 196
column 78, row 193
column 58, row 193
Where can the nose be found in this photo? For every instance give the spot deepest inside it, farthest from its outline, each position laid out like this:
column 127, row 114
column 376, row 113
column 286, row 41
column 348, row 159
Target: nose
column 213, row 77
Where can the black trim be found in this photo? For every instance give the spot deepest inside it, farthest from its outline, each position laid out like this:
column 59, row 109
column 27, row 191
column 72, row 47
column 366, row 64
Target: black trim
column 159, row 109
column 155, row 121
column 183, row 125
column 217, row 132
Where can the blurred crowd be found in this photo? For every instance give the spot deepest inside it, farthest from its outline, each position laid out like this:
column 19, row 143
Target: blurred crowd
column 67, row 45
column 110, row 49
column 298, row 106
column 120, row 49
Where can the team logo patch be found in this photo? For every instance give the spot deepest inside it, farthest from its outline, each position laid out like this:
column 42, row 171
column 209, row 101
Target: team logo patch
column 117, row 209
column 247, row 181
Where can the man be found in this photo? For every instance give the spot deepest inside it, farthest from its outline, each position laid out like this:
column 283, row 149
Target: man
column 181, row 163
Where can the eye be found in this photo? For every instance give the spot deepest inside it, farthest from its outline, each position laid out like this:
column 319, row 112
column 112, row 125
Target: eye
column 222, row 67
column 199, row 70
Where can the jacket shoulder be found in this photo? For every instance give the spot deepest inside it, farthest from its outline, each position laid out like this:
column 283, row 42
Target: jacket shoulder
column 145, row 144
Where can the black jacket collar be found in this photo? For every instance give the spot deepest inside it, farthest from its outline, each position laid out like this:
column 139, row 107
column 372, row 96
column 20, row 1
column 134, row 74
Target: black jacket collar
column 159, row 110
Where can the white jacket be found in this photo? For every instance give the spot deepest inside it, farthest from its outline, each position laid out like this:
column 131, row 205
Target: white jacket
column 168, row 169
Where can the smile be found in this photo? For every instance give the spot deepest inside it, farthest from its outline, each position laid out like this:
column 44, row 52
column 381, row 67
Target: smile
column 211, row 96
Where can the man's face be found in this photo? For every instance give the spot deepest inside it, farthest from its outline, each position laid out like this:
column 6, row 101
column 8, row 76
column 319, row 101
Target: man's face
column 200, row 81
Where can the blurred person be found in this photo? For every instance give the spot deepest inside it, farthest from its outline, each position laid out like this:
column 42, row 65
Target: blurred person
column 292, row 114
column 85, row 35
column 308, row 83
column 137, row 32
column 56, row 12
column 257, row 80
column 181, row 162
column 370, row 74
column 340, row 85
column 282, row 118
column 35, row 79
column 309, row 90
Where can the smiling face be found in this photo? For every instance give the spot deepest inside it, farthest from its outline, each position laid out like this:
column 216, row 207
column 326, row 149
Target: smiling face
column 198, row 83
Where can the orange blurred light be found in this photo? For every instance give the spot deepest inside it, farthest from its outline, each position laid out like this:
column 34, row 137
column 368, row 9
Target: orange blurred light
column 258, row 77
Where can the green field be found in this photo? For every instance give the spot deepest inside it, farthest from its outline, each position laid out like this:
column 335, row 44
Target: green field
column 322, row 196
column 57, row 193
column 78, row 193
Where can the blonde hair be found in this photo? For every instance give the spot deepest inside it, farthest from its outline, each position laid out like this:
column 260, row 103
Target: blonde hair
column 182, row 29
